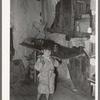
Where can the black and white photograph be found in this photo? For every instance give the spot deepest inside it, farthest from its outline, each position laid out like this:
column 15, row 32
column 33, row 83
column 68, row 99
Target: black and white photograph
column 52, row 50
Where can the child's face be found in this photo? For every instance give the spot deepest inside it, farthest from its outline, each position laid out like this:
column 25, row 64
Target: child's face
column 47, row 52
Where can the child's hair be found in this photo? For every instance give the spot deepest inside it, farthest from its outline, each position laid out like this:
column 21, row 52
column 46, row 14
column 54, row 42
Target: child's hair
column 46, row 48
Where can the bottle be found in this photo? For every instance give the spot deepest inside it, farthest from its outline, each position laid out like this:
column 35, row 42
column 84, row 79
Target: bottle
column 77, row 27
column 89, row 30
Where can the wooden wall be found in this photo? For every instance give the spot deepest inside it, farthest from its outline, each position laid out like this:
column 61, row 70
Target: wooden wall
column 79, row 71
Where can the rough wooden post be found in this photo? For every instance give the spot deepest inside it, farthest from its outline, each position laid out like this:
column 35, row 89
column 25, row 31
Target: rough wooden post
column 61, row 15
column 72, row 15
column 71, row 80
column 35, row 72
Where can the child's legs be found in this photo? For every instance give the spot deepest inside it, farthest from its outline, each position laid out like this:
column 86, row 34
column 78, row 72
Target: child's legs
column 39, row 96
column 47, row 96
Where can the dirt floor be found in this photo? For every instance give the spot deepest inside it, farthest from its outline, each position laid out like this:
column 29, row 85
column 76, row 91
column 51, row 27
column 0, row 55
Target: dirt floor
column 27, row 90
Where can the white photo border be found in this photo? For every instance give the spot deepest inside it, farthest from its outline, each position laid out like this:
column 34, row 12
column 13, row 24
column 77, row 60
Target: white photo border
column 6, row 50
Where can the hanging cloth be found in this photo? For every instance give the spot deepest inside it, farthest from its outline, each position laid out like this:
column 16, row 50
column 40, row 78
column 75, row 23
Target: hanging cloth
column 49, row 11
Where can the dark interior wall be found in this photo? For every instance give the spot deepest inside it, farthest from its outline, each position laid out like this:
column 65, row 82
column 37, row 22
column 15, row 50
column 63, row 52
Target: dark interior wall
column 66, row 4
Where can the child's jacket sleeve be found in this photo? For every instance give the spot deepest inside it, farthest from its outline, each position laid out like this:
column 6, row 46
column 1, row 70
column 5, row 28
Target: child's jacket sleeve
column 38, row 65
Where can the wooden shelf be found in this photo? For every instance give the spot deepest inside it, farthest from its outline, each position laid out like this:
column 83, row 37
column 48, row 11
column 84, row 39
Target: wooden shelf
column 60, row 31
column 69, row 33
column 74, row 34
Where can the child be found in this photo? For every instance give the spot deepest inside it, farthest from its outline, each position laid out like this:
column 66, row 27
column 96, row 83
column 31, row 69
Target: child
column 45, row 65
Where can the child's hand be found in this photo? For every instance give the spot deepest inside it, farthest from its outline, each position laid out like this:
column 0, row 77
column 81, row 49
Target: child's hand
column 42, row 61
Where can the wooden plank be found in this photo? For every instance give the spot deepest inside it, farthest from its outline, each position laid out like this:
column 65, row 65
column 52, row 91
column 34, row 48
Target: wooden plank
column 69, row 33
column 65, row 54
column 57, row 30
column 35, row 72
column 73, row 34
column 91, row 80
column 61, row 15
column 72, row 16
column 78, row 72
